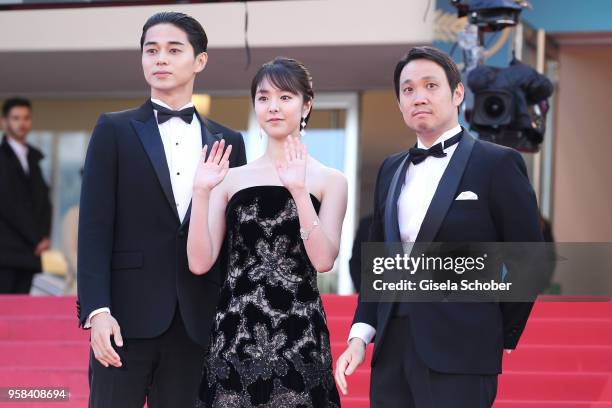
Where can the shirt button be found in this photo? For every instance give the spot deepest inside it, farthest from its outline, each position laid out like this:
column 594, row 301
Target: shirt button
column 178, row 173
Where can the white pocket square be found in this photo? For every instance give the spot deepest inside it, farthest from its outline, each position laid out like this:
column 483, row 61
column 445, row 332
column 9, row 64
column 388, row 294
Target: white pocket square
column 467, row 195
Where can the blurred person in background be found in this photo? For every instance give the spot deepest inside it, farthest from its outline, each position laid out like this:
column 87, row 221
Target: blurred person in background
column 25, row 208
column 362, row 234
column 70, row 236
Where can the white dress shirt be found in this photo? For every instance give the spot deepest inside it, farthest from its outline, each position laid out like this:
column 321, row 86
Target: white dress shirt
column 417, row 192
column 182, row 146
column 21, row 151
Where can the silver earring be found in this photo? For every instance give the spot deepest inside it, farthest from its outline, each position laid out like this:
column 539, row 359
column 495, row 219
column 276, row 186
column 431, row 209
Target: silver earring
column 261, row 134
column 303, row 127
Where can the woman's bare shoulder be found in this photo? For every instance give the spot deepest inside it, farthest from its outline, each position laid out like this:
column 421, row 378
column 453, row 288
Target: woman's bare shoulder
column 326, row 179
column 324, row 173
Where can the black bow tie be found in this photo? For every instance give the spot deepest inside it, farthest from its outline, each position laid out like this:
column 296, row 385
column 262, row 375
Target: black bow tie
column 164, row 114
column 417, row 155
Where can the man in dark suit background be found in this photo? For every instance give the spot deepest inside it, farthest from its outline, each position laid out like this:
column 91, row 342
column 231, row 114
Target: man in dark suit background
column 449, row 188
column 361, row 235
column 25, row 209
column 134, row 286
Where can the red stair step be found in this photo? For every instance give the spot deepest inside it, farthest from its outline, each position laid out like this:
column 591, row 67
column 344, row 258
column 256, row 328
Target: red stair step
column 339, row 305
column 72, row 378
column 571, row 309
column 569, row 331
column 354, row 402
column 41, row 328
column 24, row 305
column 560, row 358
column 564, row 359
column 555, row 386
column 66, row 354
column 551, row 404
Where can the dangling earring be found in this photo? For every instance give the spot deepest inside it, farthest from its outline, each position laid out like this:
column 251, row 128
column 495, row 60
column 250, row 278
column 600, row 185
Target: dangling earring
column 303, row 127
column 261, row 133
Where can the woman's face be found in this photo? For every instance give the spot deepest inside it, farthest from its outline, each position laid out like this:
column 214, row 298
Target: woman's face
column 279, row 112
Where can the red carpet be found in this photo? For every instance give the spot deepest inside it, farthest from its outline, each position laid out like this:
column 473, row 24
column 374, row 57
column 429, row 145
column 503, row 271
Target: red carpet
column 564, row 359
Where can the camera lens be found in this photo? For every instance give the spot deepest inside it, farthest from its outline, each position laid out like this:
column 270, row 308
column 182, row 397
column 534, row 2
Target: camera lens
column 494, row 107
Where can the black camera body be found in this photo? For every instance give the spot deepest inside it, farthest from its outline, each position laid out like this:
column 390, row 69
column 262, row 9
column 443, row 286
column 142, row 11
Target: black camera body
column 510, row 105
column 489, row 15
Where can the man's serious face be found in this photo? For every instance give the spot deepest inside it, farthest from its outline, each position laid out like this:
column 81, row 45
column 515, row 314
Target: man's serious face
column 168, row 60
column 425, row 98
column 18, row 122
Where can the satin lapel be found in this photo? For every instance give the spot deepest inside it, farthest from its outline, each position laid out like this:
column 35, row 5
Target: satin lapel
column 208, row 138
column 148, row 132
column 445, row 193
column 392, row 233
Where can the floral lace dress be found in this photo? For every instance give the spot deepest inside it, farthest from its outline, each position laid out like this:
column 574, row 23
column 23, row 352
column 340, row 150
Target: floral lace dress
column 270, row 343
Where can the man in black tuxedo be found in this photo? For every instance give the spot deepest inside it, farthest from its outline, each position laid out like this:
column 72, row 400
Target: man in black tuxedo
column 25, row 209
column 134, row 285
column 449, row 188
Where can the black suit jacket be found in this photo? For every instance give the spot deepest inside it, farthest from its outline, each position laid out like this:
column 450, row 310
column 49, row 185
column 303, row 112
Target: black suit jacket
column 132, row 254
column 25, row 209
column 466, row 338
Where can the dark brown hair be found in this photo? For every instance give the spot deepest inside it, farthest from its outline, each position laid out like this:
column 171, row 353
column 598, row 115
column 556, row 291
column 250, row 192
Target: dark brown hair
column 286, row 74
column 10, row 103
column 453, row 75
column 189, row 25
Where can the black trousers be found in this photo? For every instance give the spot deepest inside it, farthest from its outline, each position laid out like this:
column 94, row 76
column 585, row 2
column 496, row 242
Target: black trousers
column 400, row 379
column 15, row 281
column 164, row 371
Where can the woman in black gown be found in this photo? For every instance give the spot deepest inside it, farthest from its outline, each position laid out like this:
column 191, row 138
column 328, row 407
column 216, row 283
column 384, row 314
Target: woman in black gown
column 281, row 219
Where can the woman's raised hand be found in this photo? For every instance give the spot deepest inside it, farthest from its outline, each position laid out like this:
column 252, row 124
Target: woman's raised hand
column 292, row 173
column 212, row 170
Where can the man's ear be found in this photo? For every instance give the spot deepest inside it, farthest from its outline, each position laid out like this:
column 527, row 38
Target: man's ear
column 201, row 60
column 458, row 94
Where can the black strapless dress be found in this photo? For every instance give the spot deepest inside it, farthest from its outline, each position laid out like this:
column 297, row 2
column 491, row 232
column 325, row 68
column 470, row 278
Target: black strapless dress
column 270, row 343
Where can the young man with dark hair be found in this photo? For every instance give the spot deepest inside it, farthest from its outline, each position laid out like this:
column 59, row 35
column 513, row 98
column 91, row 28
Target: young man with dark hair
column 449, row 188
column 25, row 209
column 150, row 317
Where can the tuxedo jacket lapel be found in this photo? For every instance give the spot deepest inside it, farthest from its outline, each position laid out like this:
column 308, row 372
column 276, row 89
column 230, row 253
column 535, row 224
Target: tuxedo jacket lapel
column 208, row 138
column 392, row 233
column 445, row 193
column 145, row 126
column 440, row 204
column 391, row 230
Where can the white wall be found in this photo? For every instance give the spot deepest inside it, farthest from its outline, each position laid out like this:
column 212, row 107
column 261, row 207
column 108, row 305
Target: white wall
column 271, row 23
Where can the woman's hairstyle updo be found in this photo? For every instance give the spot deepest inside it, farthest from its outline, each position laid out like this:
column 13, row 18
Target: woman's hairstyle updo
column 287, row 75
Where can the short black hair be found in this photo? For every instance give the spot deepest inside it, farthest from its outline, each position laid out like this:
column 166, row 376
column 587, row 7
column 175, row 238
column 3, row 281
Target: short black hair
column 10, row 103
column 287, row 74
column 194, row 30
column 453, row 75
